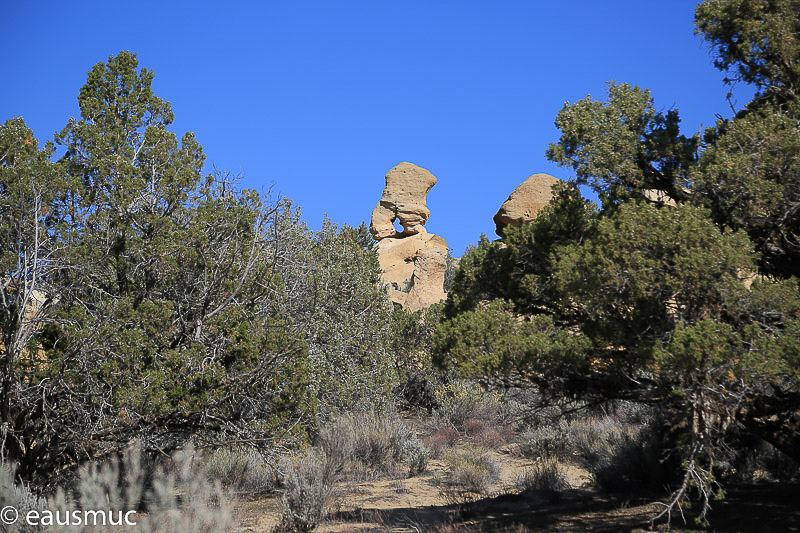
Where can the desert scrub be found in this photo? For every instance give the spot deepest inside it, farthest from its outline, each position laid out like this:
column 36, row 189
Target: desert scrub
column 546, row 475
column 441, row 440
column 471, row 472
column 368, row 443
column 623, row 450
column 20, row 497
column 628, row 462
column 416, row 456
column 620, row 445
column 461, row 400
column 181, row 497
column 550, row 440
column 241, row 469
column 306, row 494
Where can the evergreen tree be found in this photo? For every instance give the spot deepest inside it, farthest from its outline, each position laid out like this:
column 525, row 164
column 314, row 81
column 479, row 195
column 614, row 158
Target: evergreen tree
column 694, row 306
column 168, row 323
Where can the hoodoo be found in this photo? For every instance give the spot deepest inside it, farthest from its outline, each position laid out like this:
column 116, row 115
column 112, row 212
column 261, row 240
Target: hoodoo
column 413, row 261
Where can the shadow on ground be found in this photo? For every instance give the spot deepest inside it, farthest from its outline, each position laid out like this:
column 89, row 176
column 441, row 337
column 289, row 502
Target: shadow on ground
column 762, row 508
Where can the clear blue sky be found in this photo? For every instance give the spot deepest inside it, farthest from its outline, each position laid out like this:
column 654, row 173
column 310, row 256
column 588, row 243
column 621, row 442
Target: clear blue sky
column 321, row 98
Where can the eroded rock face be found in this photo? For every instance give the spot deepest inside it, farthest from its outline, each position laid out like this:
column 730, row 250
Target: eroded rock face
column 413, row 262
column 403, row 198
column 525, row 201
column 414, row 268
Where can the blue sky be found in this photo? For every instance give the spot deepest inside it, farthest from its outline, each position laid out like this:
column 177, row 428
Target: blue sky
column 321, row 98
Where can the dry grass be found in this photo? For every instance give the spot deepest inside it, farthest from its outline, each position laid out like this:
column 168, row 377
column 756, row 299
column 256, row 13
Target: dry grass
column 241, row 469
column 368, row 445
column 546, row 475
column 470, row 473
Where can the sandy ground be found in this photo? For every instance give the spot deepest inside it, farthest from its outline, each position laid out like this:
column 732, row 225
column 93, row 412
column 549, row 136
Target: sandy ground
column 414, row 505
column 398, row 505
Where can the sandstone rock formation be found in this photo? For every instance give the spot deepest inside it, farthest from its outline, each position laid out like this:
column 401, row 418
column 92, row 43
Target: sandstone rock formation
column 414, row 268
column 657, row 196
column 403, row 198
column 413, row 262
column 525, row 201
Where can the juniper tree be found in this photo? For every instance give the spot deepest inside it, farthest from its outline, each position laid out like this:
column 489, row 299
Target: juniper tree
column 30, row 221
column 693, row 307
column 167, row 323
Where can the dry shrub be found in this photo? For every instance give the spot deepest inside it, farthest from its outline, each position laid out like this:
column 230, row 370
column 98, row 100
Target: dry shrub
column 491, row 438
column 621, row 456
column 306, row 494
column 20, row 497
column 628, row 464
column 545, row 475
column 553, row 441
column 460, row 401
column 416, row 456
column 476, row 528
column 475, row 426
column 471, row 472
column 181, row 498
column 489, row 434
column 621, row 446
column 372, row 443
column 364, row 521
column 443, row 439
column 242, row 469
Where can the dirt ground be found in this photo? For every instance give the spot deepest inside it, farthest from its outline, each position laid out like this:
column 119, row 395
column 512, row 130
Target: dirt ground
column 414, row 505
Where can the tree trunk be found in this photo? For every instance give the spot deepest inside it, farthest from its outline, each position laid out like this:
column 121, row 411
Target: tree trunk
column 781, row 430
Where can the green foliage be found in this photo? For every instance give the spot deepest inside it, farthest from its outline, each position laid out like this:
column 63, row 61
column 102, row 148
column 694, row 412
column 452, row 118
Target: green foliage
column 493, row 342
column 754, row 41
column 624, row 146
column 31, row 218
column 163, row 316
column 692, row 306
column 337, row 300
column 748, row 176
column 519, row 268
column 652, row 301
column 745, row 169
column 475, row 281
column 647, row 268
column 159, row 303
column 748, row 173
